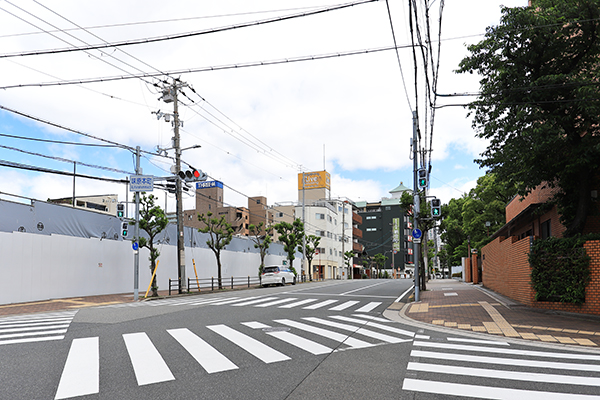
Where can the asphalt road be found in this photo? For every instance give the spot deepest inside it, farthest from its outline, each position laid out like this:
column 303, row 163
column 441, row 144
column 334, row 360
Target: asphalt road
column 322, row 340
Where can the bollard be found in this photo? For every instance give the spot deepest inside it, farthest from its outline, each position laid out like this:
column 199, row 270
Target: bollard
column 212, row 283
column 232, row 282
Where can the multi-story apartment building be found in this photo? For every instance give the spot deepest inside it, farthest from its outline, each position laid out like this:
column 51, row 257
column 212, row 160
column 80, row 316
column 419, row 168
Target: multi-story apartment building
column 386, row 230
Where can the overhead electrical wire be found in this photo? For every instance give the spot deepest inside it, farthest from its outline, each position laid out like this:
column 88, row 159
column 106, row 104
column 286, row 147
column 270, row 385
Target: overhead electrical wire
column 188, row 34
column 398, row 54
column 288, row 60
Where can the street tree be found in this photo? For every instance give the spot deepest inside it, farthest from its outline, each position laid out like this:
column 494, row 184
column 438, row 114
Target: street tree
column 380, row 260
column 538, row 104
column 312, row 244
column 347, row 259
column 291, row 236
column 152, row 221
column 261, row 243
column 220, row 235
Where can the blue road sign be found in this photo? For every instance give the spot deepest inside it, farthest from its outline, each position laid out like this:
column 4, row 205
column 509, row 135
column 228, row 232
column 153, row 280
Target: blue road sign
column 135, row 246
column 417, row 233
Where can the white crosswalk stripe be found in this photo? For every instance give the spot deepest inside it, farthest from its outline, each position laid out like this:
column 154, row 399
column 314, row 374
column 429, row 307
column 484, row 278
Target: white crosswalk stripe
column 150, row 361
column 35, row 328
column 251, row 345
column 148, row 364
column 257, row 301
column 481, row 369
column 80, row 376
column 207, row 356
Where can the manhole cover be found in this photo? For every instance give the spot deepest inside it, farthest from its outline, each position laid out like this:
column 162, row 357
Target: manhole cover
column 276, row 329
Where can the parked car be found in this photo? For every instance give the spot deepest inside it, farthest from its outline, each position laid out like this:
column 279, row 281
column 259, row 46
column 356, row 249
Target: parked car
column 277, row 275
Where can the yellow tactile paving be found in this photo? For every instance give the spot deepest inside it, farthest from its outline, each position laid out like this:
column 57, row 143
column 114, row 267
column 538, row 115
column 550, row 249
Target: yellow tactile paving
column 585, row 342
column 450, row 324
column 547, row 338
column 419, row 307
column 530, row 336
column 438, row 322
column 492, row 328
column 502, row 324
column 565, row 340
column 464, row 326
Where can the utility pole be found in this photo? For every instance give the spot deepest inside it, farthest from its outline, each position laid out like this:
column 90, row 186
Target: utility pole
column 136, row 255
column 178, row 193
column 169, row 94
column 417, row 204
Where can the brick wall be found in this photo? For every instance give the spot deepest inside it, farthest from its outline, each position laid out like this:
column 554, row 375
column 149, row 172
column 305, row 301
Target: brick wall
column 506, row 271
column 538, row 195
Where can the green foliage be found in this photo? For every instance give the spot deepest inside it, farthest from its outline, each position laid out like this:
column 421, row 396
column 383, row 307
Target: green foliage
column 538, row 104
column 465, row 218
column 261, row 243
column 559, row 270
column 220, row 235
column 312, row 243
column 380, row 260
column 153, row 221
column 348, row 255
column 291, row 236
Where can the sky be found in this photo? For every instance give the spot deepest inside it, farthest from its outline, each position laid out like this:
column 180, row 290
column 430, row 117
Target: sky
column 258, row 125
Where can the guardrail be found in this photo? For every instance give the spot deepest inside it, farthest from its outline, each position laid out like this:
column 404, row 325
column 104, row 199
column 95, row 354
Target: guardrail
column 230, row 282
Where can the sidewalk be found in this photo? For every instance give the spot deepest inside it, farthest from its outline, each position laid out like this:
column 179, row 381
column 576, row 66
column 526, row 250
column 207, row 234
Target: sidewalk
column 468, row 307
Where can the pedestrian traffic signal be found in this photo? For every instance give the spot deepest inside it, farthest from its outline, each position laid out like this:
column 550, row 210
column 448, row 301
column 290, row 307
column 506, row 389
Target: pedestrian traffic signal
column 436, row 208
column 192, row 175
column 422, row 178
column 120, row 210
column 124, row 228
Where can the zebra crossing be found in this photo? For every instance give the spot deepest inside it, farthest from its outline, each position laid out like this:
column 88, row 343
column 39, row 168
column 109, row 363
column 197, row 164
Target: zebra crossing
column 494, row 370
column 35, row 328
column 261, row 302
column 150, row 359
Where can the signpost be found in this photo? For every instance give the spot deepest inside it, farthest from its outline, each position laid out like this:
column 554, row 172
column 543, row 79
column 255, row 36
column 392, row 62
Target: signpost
column 141, row 183
column 417, row 234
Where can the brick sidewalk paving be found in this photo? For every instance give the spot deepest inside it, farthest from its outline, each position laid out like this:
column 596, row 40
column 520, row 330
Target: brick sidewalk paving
column 464, row 306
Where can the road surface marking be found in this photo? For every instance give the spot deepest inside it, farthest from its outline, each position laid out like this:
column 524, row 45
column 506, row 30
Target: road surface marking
column 356, row 330
column 338, row 337
column 251, row 345
column 372, row 305
column 319, row 305
column 206, row 355
column 343, row 306
column 148, row 365
column 298, row 303
column 81, row 374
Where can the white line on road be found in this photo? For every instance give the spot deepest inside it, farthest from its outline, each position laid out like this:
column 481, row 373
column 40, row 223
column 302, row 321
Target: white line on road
column 298, row 303
column 343, row 306
column 148, row 365
column 375, row 325
column 206, row 355
column 356, row 330
column 251, row 345
column 338, row 337
column 571, row 356
column 249, row 303
column 362, row 288
column 372, row 305
column 81, row 374
column 319, row 305
column 276, row 302
column 498, row 374
column 487, row 392
column 516, row 362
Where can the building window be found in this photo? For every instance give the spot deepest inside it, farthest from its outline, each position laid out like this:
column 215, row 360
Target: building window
column 320, row 216
column 321, row 233
column 545, row 227
column 371, row 229
column 371, row 217
column 329, row 218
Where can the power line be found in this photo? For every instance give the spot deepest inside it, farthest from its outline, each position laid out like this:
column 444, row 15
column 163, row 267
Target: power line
column 66, row 160
column 288, row 60
column 188, row 34
column 10, row 164
column 57, row 141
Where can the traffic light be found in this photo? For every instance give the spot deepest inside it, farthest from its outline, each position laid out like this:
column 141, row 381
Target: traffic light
column 192, row 175
column 422, row 178
column 436, row 208
column 120, row 210
column 124, row 228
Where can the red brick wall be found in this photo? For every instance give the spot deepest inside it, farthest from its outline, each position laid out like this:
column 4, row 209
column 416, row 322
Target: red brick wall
column 518, row 204
column 506, row 270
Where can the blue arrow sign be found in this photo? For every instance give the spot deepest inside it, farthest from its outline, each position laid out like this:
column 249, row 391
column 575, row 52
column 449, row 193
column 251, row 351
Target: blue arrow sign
column 135, row 246
column 417, row 233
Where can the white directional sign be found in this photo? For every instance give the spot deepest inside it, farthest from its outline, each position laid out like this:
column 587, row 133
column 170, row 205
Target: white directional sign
column 141, row 183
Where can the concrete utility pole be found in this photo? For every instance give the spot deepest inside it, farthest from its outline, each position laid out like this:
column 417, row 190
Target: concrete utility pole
column 136, row 255
column 178, row 194
column 417, row 204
